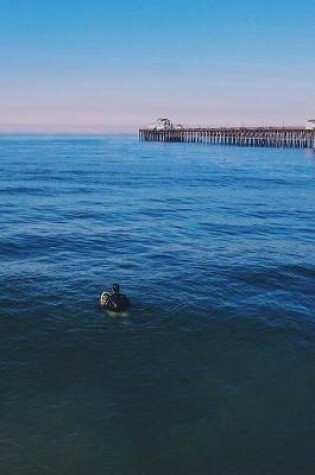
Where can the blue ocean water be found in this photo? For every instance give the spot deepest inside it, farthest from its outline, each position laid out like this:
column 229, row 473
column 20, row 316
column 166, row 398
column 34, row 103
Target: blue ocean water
column 212, row 370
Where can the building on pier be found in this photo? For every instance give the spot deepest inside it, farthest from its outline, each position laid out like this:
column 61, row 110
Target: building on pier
column 162, row 124
column 165, row 124
column 310, row 124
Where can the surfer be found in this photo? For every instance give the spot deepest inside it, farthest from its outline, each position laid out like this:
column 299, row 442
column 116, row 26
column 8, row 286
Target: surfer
column 115, row 301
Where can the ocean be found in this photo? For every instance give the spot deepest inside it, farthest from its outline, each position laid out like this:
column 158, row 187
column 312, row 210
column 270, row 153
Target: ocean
column 211, row 371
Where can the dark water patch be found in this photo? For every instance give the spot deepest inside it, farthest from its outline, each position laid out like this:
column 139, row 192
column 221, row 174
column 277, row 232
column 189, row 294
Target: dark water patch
column 28, row 191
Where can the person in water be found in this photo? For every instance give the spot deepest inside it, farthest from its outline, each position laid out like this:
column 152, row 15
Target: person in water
column 117, row 302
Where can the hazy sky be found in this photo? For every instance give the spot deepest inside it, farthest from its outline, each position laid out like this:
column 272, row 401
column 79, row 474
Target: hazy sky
column 111, row 65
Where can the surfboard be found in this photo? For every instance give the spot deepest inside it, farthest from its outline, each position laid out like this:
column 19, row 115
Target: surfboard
column 104, row 298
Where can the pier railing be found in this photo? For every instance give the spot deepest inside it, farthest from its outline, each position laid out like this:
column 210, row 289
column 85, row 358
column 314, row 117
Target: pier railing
column 292, row 137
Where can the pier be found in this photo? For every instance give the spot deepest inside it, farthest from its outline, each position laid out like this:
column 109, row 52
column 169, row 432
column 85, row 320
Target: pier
column 289, row 137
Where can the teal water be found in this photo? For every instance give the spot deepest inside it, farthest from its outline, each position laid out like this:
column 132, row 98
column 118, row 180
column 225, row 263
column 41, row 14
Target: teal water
column 212, row 370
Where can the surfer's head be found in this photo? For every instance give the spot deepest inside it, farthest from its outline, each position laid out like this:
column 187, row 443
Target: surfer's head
column 116, row 288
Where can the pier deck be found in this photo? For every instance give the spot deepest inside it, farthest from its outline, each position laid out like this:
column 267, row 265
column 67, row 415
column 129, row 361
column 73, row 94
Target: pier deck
column 291, row 137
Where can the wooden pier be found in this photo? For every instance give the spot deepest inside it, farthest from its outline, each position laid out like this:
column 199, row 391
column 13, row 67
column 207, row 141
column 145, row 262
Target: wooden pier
column 290, row 137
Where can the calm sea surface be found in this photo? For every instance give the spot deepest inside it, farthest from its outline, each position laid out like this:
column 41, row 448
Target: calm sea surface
column 212, row 370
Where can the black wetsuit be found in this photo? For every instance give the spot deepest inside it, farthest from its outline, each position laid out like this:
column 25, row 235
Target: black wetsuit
column 117, row 302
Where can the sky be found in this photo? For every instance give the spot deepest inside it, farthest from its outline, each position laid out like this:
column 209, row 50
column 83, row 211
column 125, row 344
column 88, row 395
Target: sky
column 110, row 66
